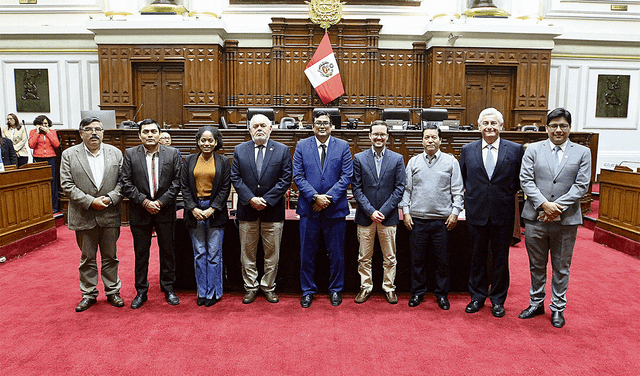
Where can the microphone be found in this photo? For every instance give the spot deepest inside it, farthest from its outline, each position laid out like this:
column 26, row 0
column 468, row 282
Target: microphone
column 131, row 124
column 134, row 116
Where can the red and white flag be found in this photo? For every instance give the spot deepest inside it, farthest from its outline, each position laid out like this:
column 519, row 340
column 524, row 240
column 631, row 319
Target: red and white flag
column 322, row 71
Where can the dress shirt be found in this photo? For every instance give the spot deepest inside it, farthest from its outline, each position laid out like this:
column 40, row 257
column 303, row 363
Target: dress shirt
column 378, row 160
column 96, row 163
column 257, row 149
column 563, row 147
column 494, row 151
column 318, row 143
column 148, row 155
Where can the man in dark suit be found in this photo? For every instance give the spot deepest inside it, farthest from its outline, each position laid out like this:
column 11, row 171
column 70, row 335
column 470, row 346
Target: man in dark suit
column 555, row 175
column 261, row 175
column 151, row 181
column 322, row 169
column 490, row 169
column 378, row 184
column 90, row 177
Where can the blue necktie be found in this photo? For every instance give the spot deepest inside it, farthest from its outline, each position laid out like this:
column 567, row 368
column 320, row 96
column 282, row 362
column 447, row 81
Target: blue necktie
column 489, row 162
column 259, row 160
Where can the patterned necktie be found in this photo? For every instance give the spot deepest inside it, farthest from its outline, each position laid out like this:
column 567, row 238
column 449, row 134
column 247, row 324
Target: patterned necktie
column 556, row 159
column 259, row 160
column 489, row 162
column 324, row 154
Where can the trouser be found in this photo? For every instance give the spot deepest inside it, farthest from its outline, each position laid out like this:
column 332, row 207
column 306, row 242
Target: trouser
column 250, row 233
column 367, row 237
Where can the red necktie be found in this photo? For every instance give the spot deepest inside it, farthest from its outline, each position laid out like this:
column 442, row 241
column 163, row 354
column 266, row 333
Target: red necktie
column 153, row 173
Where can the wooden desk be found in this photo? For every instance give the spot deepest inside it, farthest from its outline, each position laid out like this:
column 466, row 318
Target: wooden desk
column 25, row 202
column 620, row 203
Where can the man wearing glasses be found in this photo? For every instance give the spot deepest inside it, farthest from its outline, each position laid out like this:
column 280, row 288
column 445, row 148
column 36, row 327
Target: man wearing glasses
column 151, row 181
column 378, row 184
column 490, row 169
column 555, row 174
column 89, row 176
column 322, row 169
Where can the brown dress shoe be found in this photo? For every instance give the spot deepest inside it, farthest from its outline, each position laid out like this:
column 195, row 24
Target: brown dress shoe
column 271, row 296
column 391, row 297
column 115, row 300
column 84, row 304
column 362, row 296
column 249, row 297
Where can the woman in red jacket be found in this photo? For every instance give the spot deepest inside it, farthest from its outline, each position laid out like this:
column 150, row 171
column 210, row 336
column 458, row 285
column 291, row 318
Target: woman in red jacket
column 44, row 140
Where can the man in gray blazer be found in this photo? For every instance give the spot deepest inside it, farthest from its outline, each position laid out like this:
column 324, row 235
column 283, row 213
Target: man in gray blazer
column 89, row 176
column 555, row 174
column 378, row 183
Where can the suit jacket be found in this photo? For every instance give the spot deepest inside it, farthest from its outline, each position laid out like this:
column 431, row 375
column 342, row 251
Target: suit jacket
column 76, row 180
column 135, row 183
column 219, row 191
column 9, row 156
column 566, row 187
column 20, row 139
column 491, row 201
column 382, row 193
column 311, row 178
column 272, row 184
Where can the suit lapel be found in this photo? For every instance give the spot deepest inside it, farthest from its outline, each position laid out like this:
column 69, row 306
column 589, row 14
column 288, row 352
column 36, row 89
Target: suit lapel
column 565, row 156
column 268, row 152
column 477, row 152
column 84, row 162
column 548, row 156
column 502, row 151
column 371, row 163
column 142, row 159
column 316, row 155
column 161, row 158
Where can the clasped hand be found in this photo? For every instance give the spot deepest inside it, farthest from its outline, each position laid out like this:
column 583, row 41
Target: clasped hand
column 321, row 202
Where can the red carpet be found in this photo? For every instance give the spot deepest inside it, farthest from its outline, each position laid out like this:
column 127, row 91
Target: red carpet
column 42, row 334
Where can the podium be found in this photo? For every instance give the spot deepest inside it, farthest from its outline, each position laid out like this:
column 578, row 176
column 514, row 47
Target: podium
column 620, row 203
column 25, row 207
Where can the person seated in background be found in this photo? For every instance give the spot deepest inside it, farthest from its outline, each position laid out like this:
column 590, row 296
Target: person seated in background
column 44, row 140
column 17, row 133
column 8, row 153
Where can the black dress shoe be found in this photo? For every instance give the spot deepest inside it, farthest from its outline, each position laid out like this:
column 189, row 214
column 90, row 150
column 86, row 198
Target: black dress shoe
column 443, row 303
column 172, row 298
column 85, row 304
column 210, row 302
column 115, row 300
column 138, row 301
column 336, row 299
column 557, row 319
column 200, row 301
column 474, row 306
column 531, row 311
column 306, row 301
column 415, row 300
column 498, row 310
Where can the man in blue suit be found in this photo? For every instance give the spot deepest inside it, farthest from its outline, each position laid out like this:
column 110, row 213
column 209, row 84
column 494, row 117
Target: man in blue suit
column 261, row 175
column 490, row 169
column 378, row 184
column 322, row 169
column 555, row 175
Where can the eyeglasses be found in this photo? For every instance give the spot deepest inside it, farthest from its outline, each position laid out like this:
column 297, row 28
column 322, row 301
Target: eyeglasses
column 563, row 126
column 91, row 130
column 376, row 135
column 321, row 123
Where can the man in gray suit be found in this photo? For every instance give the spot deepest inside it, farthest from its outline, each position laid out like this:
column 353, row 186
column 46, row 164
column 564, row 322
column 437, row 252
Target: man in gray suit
column 555, row 174
column 89, row 176
column 378, row 184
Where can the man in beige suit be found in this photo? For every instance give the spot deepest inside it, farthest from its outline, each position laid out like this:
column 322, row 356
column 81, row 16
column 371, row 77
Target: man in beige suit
column 89, row 176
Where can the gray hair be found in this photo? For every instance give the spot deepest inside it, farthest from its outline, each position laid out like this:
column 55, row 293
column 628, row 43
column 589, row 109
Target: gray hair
column 260, row 118
column 488, row 112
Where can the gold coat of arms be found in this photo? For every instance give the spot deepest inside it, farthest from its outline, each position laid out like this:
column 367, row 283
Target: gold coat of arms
column 325, row 12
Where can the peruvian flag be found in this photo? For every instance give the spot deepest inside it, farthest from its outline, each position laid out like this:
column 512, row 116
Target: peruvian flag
column 322, row 71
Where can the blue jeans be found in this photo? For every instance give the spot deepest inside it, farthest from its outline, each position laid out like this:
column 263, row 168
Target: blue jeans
column 207, row 256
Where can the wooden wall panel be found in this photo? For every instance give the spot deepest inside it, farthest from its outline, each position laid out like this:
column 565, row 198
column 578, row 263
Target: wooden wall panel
column 295, row 89
column 116, row 81
column 396, row 79
column 619, row 208
column 252, row 77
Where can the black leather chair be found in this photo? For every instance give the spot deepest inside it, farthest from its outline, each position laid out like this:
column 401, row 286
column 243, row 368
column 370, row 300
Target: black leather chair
column 397, row 115
column 334, row 115
column 268, row 112
column 288, row 123
column 433, row 116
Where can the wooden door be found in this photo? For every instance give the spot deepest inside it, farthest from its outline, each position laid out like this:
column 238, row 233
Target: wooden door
column 159, row 93
column 489, row 87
